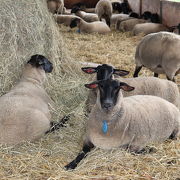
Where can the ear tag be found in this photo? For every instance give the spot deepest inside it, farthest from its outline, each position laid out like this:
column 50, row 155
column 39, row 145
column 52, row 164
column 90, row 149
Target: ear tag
column 104, row 127
column 78, row 31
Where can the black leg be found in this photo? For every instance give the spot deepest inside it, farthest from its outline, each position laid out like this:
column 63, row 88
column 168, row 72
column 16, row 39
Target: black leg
column 86, row 148
column 57, row 125
column 137, row 71
column 156, row 74
column 170, row 79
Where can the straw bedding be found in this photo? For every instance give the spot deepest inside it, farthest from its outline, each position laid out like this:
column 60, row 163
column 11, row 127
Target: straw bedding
column 27, row 29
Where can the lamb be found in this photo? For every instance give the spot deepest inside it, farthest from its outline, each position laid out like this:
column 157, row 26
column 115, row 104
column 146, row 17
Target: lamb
column 93, row 27
column 130, row 123
column 64, row 19
column 159, row 53
column 165, row 89
column 56, row 6
column 147, row 28
column 24, row 111
column 128, row 24
column 88, row 17
column 104, row 10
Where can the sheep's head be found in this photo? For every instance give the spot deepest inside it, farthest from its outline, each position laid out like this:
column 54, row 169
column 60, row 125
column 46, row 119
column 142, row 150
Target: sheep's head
column 104, row 71
column 75, row 9
column 109, row 92
column 117, row 6
column 42, row 62
column 155, row 18
column 74, row 22
column 133, row 14
column 146, row 15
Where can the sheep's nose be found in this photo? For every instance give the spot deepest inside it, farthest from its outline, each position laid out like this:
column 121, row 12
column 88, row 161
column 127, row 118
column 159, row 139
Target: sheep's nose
column 107, row 105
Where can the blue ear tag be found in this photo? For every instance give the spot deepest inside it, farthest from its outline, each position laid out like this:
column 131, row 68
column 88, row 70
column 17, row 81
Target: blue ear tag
column 78, row 31
column 104, row 127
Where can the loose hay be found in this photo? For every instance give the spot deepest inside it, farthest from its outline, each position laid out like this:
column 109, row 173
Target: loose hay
column 28, row 28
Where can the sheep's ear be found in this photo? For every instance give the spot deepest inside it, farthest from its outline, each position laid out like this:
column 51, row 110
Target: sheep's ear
column 89, row 70
column 120, row 72
column 91, row 85
column 126, row 87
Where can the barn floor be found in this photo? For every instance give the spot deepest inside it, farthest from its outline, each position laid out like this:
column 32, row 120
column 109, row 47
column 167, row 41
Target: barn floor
column 46, row 158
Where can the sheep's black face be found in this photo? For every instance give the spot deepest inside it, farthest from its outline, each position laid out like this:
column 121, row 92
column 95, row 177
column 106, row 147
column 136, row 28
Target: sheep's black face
column 133, row 14
column 74, row 23
column 117, row 6
column 75, row 9
column 41, row 61
column 104, row 72
column 146, row 15
column 109, row 92
column 155, row 18
column 125, row 8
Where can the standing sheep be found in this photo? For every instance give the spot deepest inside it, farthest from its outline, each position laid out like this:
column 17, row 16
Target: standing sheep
column 159, row 53
column 93, row 27
column 104, row 10
column 165, row 89
column 24, row 111
column 130, row 123
column 56, row 6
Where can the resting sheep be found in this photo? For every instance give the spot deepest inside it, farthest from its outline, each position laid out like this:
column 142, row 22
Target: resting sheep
column 159, row 52
column 104, row 10
column 165, row 89
column 88, row 17
column 128, row 24
column 93, row 27
column 147, row 28
column 56, row 6
column 130, row 123
column 24, row 111
column 64, row 19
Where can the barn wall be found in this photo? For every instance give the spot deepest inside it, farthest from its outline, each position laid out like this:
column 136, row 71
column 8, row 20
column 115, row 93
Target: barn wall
column 170, row 13
column 135, row 5
column 151, row 5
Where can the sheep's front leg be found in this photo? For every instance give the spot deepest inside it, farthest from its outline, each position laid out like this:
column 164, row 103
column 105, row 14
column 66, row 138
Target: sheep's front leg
column 57, row 125
column 87, row 147
column 137, row 70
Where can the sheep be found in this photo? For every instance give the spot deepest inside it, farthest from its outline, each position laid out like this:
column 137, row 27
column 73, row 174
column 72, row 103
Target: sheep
column 120, row 17
column 24, row 111
column 128, row 24
column 64, row 19
column 55, row 6
column 121, row 7
column 165, row 89
column 159, row 53
column 129, row 123
column 153, row 17
column 93, row 27
column 176, row 29
column 147, row 28
column 88, row 17
column 104, row 10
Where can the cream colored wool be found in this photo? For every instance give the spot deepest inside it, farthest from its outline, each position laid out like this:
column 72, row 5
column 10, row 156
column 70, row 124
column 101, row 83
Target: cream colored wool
column 56, row 6
column 147, row 28
column 88, row 17
column 128, row 25
column 24, row 111
column 64, row 19
column 159, row 52
column 133, row 122
column 93, row 27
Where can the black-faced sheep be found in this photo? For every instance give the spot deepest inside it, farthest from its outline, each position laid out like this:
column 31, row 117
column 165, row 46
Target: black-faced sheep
column 24, row 110
column 93, row 27
column 130, row 123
